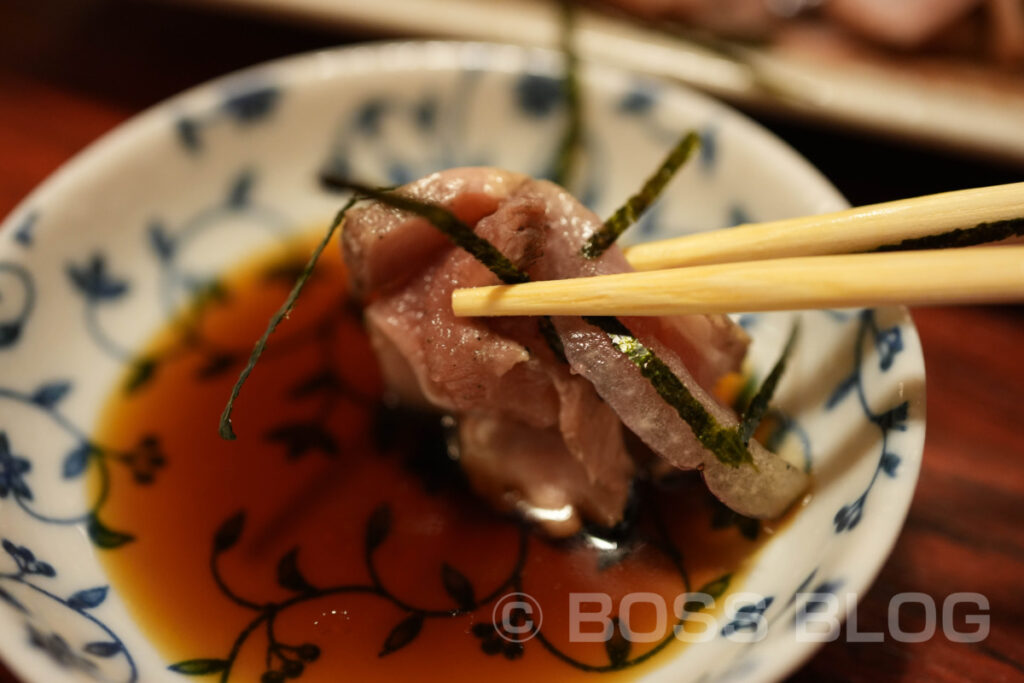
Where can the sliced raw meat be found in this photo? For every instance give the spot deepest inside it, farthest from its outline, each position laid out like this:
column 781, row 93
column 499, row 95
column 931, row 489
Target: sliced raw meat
column 537, row 433
column 530, row 471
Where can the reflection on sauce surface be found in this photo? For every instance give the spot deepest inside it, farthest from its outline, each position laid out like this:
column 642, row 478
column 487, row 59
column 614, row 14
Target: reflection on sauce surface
column 335, row 538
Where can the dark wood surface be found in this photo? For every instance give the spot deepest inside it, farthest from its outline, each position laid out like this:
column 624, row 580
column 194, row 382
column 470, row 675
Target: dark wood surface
column 71, row 70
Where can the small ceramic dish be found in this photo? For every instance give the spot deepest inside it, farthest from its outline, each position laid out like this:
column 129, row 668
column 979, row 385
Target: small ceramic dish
column 99, row 258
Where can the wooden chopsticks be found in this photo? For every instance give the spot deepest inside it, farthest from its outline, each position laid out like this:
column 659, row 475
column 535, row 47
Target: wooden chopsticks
column 780, row 266
column 979, row 274
column 843, row 232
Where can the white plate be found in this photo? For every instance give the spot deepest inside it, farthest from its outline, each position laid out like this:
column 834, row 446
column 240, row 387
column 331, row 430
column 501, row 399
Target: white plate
column 94, row 261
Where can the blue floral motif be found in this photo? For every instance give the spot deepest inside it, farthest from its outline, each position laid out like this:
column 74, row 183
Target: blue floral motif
column 49, row 395
column 817, row 600
column 425, row 114
column 12, row 327
column 251, row 103
column 640, row 99
column 842, row 389
column 12, row 601
column 789, row 427
column 890, row 463
column 24, row 233
column 29, row 569
column 98, row 287
column 54, row 645
column 12, row 471
column 240, row 194
column 369, row 116
column 77, row 461
column 26, row 561
column 94, row 281
column 163, row 244
column 167, row 242
column 747, row 617
column 400, row 174
column 538, row 95
column 849, row 515
column 143, row 461
column 748, row 321
column 709, row 148
column 738, row 215
column 188, row 133
column 888, row 343
column 441, row 120
column 9, row 334
column 244, row 104
column 89, row 598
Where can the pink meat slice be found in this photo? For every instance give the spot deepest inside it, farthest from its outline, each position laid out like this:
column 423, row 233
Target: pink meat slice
column 461, row 364
column 499, row 377
column 905, row 24
column 763, row 491
column 710, row 345
column 529, row 470
column 389, row 246
column 500, row 380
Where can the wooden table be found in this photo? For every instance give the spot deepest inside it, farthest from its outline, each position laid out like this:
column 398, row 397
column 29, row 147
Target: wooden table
column 73, row 69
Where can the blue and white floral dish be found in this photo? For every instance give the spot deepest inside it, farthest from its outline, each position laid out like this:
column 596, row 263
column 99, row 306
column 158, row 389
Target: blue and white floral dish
column 96, row 260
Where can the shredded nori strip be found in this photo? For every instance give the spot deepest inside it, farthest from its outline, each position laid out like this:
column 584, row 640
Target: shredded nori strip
column 568, row 148
column 725, row 443
column 758, row 405
column 550, row 334
column 225, row 430
column 961, row 237
column 462, row 236
column 635, row 206
column 448, row 223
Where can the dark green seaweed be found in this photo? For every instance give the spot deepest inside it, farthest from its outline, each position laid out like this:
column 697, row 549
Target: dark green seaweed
column 961, row 237
column 568, row 148
column 461, row 235
column 448, row 223
column 550, row 334
column 226, row 431
column 630, row 212
column 758, row 405
column 727, row 444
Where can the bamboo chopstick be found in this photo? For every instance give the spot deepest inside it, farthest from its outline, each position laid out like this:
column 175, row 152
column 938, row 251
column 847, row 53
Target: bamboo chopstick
column 857, row 229
column 978, row 274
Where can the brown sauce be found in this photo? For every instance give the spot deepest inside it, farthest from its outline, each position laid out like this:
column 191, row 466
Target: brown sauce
column 315, row 458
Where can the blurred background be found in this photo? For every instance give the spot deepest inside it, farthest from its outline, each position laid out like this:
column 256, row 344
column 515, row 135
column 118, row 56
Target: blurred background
column 889, row 99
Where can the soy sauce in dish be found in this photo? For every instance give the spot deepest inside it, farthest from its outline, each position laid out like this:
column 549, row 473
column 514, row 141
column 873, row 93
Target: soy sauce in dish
column 336, row 538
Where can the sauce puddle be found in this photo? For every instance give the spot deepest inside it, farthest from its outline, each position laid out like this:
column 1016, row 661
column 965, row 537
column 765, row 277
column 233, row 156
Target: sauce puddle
column 335, row 539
